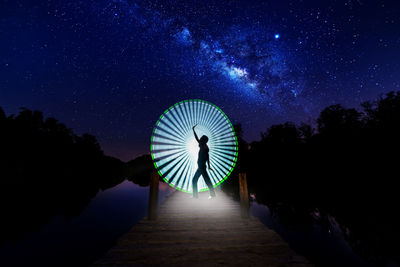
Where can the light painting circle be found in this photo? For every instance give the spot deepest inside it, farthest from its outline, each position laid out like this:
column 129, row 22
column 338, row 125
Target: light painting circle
column 174, row 149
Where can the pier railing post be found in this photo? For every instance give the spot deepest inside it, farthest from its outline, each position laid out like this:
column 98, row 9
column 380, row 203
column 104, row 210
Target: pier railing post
column 244, row 196
column 153, row 196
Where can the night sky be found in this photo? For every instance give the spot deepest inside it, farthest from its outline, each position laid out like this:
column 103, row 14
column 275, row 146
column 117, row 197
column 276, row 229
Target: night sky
column 111, row 67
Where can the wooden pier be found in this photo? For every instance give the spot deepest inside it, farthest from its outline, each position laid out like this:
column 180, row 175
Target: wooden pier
column 201, row 232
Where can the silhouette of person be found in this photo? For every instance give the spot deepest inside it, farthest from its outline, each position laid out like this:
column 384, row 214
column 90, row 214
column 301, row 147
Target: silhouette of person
column 201, row 165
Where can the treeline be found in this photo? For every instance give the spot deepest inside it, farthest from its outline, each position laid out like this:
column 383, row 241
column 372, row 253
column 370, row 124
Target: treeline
column 346, row 167
column 46, row 169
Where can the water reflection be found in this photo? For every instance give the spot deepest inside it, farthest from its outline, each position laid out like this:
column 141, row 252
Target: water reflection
column 78, row 241
column 323, row 244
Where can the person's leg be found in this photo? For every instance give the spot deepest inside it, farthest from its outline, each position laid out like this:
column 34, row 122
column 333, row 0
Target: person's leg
column 208, row 182
column 194, row 183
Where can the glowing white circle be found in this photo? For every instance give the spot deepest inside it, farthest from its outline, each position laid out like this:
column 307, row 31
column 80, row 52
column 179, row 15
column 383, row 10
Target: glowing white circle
column 174, row 149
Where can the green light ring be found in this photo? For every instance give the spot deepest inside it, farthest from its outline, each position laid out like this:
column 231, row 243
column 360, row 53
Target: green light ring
column 235, row 146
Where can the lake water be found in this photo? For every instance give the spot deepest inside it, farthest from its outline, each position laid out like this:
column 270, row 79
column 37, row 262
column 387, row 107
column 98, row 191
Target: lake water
column 324, row 245
column 80, row 240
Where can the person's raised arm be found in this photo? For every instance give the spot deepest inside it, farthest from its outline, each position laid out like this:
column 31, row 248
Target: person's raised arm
column 195, row 135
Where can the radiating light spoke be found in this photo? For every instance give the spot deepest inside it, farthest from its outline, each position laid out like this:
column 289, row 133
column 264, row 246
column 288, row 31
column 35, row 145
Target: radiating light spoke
column 174, row 148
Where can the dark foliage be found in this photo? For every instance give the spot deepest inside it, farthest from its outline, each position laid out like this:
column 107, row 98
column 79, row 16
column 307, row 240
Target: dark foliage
column 139, row 170
column 45, row 170
column 346, row 168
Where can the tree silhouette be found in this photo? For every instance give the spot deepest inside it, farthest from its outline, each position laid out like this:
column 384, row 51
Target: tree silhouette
column 45, row 169
column 346, row 168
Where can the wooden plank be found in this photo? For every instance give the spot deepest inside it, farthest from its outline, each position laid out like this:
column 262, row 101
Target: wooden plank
column 201, row 232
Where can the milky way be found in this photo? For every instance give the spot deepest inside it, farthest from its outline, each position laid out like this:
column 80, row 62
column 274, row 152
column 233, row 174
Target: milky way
column 248, row 60
column 111, row 67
